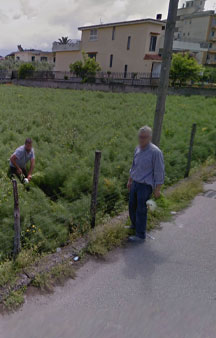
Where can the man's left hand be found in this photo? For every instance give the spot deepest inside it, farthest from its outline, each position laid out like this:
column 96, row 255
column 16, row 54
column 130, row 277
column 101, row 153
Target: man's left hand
column 29, row 177
column 157, row 193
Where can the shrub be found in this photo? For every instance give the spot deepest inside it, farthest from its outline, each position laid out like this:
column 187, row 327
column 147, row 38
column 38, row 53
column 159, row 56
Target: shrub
column 209, row 75
column 26, row 70
column 85, row 69
column 184, row 68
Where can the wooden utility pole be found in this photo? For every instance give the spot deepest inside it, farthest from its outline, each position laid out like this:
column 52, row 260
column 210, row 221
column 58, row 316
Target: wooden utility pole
column 165, row 69
column 95, row 187
column 193, row 132
column 17, row 243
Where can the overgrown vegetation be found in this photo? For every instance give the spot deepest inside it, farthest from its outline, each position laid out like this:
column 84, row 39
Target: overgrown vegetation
column 14, row 300
column 67, row 127
column 57, row 275
column 86, row 69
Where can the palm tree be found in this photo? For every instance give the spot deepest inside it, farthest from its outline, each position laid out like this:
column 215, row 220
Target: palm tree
column 64, row 40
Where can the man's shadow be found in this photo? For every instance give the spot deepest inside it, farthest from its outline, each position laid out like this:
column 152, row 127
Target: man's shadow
column 141, row 261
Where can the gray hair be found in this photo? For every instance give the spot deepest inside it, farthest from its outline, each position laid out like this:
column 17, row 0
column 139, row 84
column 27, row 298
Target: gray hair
column 145, row 129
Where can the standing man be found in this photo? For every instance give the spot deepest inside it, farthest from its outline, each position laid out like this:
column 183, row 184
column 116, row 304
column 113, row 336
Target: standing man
column 146, row 176
column 20, row 158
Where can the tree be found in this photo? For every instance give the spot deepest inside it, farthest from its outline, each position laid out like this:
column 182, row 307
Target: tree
column 184, row 67
column 85, row 69
column 64, row 40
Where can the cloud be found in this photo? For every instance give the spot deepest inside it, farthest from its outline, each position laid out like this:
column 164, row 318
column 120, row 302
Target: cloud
column 27, row 9
column 37, row 23
column 3, row 18
column 17, row 16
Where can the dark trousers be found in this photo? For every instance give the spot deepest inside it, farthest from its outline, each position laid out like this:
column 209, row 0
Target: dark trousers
column 13, row 172
column 139, row 195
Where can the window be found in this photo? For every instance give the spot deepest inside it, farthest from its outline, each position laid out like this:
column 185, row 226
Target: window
column 17, row 58
column 33, row 58
column 188, row 34
column 113, row 33
column 125, row 71
column 190, row 22
column 163, row 28
column 93, row 34
column 111, row 60
column 92, row 55
column 54, row 59
column 215, row 57
column 153, row 42
column 210, row 45
column 43, row 59
column 128, row 42
column 212, row 33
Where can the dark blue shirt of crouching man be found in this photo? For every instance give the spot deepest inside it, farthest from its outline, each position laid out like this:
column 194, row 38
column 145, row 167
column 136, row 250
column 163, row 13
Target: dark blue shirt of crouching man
column 146, row 176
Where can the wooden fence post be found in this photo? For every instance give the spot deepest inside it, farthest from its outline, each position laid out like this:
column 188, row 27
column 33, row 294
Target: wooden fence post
column 95, row 187
column 17, row 243
column 193, row 132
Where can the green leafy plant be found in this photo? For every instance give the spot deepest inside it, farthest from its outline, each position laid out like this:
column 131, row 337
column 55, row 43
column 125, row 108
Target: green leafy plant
column 26, row 70
column 85, row 69
column 184, row 68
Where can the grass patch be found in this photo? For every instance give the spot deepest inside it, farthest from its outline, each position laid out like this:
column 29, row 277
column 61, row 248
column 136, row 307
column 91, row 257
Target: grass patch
column 14, row 300
column 57, row 275
column 105, row 238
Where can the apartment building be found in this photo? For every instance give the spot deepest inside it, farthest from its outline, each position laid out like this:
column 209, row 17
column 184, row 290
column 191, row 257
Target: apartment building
column 129, row 46
column 197, row 26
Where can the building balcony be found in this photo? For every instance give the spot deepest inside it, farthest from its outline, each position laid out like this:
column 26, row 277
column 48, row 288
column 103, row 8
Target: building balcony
column 72, row 46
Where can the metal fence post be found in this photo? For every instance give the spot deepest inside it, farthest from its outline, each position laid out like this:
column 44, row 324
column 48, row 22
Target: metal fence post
column 17, row 243
column 193, row 132
column 95, row 187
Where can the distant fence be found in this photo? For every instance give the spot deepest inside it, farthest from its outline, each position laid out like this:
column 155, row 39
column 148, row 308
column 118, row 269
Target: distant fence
column 139, row 79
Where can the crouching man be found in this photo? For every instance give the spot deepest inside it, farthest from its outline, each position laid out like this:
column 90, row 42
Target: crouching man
column 20, row 158
column 146, row 176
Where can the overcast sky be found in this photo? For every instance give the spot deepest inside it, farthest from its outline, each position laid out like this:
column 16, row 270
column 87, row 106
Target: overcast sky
column 37, row 23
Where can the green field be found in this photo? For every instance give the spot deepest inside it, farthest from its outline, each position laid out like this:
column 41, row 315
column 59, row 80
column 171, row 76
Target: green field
column 67, row 127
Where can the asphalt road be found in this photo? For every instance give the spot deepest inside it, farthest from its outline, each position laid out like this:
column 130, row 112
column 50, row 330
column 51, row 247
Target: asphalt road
column 165, row 288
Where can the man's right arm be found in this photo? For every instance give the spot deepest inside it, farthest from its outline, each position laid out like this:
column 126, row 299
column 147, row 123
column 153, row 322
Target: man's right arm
column 13, row 160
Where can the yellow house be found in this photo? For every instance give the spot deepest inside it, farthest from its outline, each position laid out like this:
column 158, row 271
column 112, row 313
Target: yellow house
column 129, row 46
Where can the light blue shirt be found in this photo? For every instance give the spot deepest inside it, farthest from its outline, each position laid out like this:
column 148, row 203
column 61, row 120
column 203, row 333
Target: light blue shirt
column 148, row 166
column 23, row 157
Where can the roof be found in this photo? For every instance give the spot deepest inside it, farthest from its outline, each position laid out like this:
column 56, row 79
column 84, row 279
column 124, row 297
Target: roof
column 123, row 23
column 32, row 50
column 152, row 57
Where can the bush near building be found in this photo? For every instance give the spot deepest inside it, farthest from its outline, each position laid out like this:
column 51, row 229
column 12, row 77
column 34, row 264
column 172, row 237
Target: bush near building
column 86, row 69
column 25, row 70
column 184, row 68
